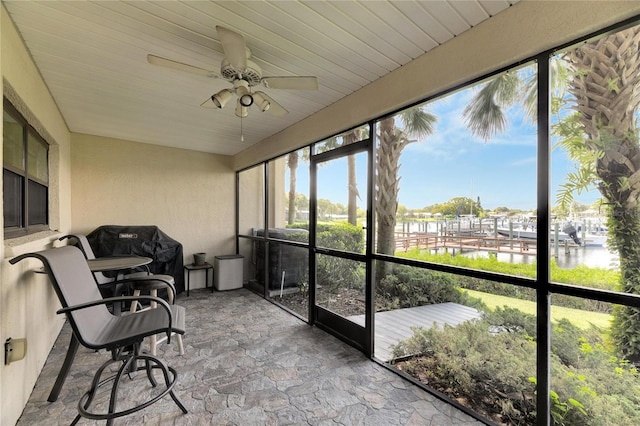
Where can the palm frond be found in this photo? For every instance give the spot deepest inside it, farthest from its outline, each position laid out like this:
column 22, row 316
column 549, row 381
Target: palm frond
column 418, row 122
column 484, row 114
column 484, row 117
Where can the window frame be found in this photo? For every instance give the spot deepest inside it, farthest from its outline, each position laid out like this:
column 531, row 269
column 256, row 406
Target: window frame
column 29, row 136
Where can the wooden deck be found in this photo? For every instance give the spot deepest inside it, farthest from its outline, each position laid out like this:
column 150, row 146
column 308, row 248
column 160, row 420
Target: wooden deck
column 394, row 326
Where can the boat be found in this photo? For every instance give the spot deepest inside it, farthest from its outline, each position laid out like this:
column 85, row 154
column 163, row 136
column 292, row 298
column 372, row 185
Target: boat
column 568, row 233
column 530, row 233
column 595, row 240
column 594, row 236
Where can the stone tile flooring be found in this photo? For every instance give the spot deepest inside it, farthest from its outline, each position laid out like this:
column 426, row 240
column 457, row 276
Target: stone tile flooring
column 249, row 362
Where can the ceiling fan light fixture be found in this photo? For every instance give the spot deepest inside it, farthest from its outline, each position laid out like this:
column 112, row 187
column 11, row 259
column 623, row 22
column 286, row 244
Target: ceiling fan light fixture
column 246, row 100
column 243, row 93
column 221, row 98
column 241, row 111
column 262, row 103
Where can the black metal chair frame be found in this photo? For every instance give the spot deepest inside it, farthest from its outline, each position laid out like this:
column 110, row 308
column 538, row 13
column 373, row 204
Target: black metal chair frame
column 103, row 282
column 72, row 349
column 91, row 321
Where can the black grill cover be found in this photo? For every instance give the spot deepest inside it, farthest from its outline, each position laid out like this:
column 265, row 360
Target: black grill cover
column 148, row 241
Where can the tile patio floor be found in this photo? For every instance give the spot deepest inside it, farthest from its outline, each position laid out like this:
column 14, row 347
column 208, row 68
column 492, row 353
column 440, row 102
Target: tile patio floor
column 249, row 362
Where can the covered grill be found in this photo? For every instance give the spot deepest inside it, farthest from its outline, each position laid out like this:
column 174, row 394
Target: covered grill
column 148, row 241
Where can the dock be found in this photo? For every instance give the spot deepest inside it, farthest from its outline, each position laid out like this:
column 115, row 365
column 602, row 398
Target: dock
column 464, row 242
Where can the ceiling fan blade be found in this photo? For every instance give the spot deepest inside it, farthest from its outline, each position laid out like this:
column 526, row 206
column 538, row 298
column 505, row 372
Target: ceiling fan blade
column 235, row 47
column 291, row 82
column 274, row 107
column 164, row 62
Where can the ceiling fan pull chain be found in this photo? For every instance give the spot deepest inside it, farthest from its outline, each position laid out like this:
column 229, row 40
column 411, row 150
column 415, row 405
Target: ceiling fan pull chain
column 241, row 131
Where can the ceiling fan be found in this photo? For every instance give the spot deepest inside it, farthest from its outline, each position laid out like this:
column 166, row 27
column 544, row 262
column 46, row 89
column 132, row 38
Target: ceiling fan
column 244, row 74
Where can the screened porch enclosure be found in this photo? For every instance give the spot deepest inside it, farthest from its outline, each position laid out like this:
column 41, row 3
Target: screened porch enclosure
column 475, row 241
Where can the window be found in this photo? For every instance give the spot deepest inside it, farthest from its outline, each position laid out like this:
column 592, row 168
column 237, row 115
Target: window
column 25, row 174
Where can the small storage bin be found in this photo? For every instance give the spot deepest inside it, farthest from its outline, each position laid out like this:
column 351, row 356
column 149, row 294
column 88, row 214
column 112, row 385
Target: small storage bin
column 228, row 272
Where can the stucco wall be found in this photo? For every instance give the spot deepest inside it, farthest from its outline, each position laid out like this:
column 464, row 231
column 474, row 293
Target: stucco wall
column 189, row 195
column 27, row 301
column 521, row 31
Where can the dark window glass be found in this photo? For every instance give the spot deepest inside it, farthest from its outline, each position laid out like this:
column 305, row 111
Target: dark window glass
column 26, row 176
column 37, row 203
column 12, row 199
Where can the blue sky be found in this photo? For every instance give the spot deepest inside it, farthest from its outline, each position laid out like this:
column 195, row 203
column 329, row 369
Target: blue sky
column 453, row 163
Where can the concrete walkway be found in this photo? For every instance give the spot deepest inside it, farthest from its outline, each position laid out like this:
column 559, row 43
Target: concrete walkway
column 249, row 362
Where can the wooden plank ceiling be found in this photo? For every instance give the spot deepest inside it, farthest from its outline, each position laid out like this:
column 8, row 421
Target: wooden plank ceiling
column 93, row 58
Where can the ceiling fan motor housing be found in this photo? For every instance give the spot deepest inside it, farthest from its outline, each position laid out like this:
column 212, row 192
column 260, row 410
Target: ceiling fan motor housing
column 252, row 74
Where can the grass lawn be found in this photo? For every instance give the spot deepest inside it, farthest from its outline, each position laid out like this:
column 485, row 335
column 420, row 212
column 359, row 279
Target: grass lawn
column 579, row 318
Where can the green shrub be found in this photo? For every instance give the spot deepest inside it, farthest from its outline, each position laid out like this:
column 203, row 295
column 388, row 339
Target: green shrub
column 607, row 388
column 336, row 235
column 511, row 320
column 489, row 365
column 565, row 342
column 407, row 287
column 581, row 275
column 333, row 272
column 340, row 236
column 489, row 372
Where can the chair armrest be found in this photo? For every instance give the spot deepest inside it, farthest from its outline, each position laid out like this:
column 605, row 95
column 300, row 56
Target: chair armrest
column 151, row 277
column 147, row 270
column 110, row 300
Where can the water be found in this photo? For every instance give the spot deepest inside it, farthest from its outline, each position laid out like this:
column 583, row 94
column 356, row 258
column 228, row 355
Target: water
column 599, row 257
column 591, row 256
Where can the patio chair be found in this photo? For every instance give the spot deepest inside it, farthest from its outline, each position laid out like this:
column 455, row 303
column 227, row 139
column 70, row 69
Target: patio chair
column 139, row 282
column 96, row 328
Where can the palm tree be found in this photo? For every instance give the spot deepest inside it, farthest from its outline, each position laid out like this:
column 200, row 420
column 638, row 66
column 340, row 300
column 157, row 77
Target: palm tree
column 352, row 205
column 603, row 78
column 349, row 138
column 416, row 123
column 292, row 163
column 293, row 158
column 606, row 88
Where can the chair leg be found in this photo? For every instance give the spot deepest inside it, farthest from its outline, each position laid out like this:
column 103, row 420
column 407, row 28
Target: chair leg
column 95, row 384
column 180, row 345
column 64, row 371
column 165, row 370
column 177, row 336
column 134, row 304
column 131, row 358
column 153, row 340
column 149, row 369
column 113, row 400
